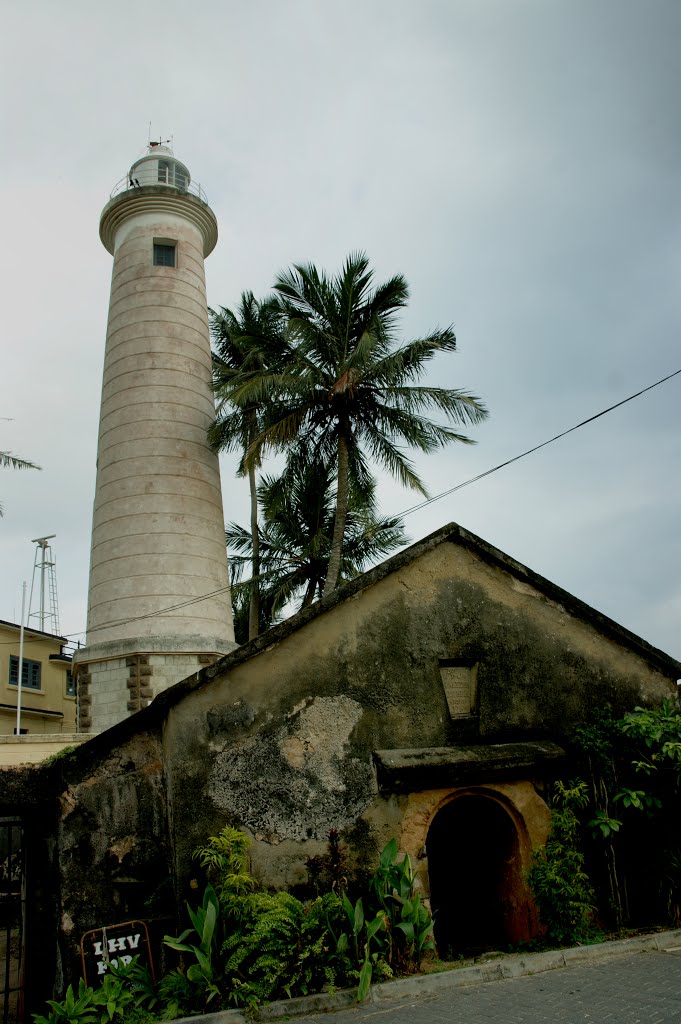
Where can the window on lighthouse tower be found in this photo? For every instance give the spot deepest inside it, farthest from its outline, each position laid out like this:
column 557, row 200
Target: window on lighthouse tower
column 164, row 255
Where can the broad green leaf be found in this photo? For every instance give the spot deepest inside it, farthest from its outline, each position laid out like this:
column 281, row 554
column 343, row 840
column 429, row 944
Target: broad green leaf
column 388, row 853
column 364, row 979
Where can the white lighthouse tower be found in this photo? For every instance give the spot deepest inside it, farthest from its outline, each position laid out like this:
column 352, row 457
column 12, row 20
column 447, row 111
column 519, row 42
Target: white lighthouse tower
column 159, row 605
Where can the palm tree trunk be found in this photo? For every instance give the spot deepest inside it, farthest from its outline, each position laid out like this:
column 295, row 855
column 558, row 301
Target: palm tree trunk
column 341, row 513
column 309, row 593
column 254, row 605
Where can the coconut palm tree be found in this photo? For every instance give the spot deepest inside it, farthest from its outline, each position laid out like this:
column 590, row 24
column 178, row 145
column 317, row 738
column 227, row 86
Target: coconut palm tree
column 350, row 392
column 296, row 536
column 246, row 342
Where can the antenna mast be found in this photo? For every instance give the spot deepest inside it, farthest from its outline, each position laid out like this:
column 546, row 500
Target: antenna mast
column 45, row 564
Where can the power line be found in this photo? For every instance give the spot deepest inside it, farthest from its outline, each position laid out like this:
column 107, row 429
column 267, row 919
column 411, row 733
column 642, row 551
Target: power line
column 516, row 458
column 147, row 615
column 408, row 511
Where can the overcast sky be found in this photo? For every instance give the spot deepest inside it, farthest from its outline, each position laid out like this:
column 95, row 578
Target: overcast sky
column 517, row 160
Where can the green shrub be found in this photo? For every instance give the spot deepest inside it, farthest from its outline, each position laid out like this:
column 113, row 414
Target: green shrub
column 408, row 931
column 559, row 883
column 633, row 766
column 260, row 952
column 281, row 947
column 203, row 973
column 225, row 860
column 246, row 946
column 72, row 1009
column 120, row 998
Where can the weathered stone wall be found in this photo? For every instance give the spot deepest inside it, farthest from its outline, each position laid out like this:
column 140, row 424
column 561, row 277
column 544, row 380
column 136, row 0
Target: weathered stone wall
column 281, row 743
column 114, row 859
column 448, row 648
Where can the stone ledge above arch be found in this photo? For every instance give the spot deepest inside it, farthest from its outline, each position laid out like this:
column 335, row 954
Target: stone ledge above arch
column 412, row 769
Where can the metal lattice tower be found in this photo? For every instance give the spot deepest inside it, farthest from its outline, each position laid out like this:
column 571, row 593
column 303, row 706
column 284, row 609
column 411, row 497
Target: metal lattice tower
column 45, row 564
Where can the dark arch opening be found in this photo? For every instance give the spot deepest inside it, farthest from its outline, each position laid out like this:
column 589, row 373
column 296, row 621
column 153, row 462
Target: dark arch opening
column 476, row 886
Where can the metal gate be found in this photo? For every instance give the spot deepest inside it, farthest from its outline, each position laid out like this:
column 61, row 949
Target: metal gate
column 12, row 920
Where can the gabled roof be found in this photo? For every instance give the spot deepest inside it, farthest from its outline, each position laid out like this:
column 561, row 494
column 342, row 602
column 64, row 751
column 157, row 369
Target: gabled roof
column 155, row 712
column 452, row 533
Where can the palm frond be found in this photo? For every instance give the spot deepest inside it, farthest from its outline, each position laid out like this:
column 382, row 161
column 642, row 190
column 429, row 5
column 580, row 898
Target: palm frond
column 408, row 362
column 9, row 461
column 297, row 530
column 459, row 406
column 391, row 458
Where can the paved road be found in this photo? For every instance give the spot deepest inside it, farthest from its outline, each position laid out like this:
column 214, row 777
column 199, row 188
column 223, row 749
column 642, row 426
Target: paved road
column 645, row 988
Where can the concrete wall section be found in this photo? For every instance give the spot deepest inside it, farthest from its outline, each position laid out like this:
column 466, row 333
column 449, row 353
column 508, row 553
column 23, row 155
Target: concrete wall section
column 16, row 750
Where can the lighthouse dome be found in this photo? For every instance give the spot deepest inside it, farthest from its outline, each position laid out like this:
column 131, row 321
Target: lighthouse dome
column 160, row 167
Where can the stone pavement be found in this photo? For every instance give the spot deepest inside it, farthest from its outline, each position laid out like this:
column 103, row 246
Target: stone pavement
column 644, row 987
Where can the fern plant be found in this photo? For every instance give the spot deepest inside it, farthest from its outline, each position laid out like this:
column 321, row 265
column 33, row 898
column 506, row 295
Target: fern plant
column 322, row 956
column 281, row 947
column 261, row 950
column 176, row 994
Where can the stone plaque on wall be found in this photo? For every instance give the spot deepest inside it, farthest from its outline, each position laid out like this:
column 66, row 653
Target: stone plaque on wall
column 459, row 682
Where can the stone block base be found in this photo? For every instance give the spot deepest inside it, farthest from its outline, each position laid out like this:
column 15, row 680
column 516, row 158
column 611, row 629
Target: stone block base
column 113, row 683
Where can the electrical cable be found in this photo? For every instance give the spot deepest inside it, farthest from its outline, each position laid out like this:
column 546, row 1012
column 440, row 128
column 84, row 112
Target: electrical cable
column 516, row 458
column 406, row 512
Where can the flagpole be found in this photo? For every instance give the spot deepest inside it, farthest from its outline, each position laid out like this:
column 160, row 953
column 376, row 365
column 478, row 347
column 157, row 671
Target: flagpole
column 21, row 658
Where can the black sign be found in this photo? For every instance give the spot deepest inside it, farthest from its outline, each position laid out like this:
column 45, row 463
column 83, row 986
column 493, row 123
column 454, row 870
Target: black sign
column 116, row 944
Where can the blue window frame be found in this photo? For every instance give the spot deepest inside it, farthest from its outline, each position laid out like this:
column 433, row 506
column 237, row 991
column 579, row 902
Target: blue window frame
column 30, row 673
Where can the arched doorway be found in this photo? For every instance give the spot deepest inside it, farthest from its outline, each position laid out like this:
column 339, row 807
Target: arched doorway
column 478, row 895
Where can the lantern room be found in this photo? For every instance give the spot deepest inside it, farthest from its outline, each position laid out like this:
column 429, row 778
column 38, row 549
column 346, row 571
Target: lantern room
column 159, row 167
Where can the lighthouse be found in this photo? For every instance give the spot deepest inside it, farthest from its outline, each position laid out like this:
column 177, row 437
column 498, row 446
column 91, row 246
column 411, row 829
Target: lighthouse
column 158, row 603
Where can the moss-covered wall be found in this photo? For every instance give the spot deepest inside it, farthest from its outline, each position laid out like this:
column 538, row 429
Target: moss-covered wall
column 114, row 857
column 281, row 743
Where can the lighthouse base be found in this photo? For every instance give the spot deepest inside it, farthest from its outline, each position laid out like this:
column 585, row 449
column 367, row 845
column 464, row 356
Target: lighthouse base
column 118, row 678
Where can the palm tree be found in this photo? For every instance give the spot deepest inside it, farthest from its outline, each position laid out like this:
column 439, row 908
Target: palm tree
column 296, row 537
column 9, row 461
column 349, row 392
column 246, row 342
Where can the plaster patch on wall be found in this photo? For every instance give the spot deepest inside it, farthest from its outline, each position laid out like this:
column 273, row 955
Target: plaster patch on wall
column 225, row 720
column 67, row 802
column 322, row 731
column 293, row 749
column 122, row 848
column 297, row 782
column 529, row 591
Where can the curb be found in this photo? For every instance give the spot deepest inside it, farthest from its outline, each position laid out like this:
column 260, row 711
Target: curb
column 503, row 969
